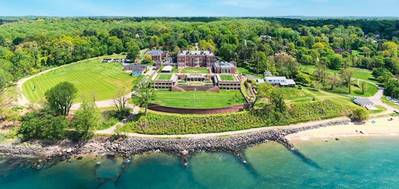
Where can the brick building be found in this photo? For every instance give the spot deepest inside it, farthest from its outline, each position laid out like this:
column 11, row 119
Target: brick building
column 196, row 59
column 159, row 56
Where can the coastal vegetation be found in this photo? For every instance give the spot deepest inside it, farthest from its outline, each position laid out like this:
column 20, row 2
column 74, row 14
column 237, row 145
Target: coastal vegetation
column 160, row 123
column 359, row 115
column 50, row 123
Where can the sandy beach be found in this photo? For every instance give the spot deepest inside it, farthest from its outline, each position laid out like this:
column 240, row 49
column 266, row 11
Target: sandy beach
column 383, row 126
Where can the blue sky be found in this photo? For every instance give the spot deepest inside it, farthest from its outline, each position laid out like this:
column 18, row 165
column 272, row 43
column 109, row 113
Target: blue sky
column 199, row 7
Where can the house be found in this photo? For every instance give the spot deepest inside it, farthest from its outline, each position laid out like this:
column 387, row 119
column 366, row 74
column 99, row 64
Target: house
column 365, row 103
column 282, row 81
column 196, row 59
column 224, row 67
column 158, row 56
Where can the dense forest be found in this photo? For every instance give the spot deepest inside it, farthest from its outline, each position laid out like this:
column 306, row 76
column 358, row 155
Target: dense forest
column 29, row 45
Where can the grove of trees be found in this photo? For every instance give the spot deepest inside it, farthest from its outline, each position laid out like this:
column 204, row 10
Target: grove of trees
column 28, row 46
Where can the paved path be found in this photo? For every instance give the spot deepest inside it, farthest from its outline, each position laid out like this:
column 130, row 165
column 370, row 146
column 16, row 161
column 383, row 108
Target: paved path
column 376, row 99
column 100, row 104
column 111, row 131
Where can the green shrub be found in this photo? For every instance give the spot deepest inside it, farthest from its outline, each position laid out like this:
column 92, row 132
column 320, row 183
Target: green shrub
column 359, row 115
column 42, row 125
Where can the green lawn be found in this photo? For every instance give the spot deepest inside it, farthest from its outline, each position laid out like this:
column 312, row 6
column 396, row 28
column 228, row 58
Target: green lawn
column 226, row 77
column 358, row 73
column 359, row 76
column 198, row 99
column 199, row 70
column 164, row 76
column 306, row 95
column 91, row 78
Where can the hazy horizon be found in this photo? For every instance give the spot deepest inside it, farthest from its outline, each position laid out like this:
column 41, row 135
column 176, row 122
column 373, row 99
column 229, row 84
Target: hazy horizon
column 204, row 8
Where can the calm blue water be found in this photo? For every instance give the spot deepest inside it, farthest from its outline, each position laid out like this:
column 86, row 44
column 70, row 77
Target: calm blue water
column 348, row 163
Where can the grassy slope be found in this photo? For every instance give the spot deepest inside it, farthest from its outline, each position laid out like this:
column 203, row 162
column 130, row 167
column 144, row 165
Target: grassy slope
column 359, row 75
column 198, row 99
column 160, row 123
column 91, row 78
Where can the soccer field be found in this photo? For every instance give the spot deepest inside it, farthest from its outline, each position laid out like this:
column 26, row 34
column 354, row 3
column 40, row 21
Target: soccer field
column 198, row 99
column 91, row 78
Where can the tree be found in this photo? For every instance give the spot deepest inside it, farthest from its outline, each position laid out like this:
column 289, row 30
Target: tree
column 303, row 78
column 85, row 120
column 363, row 86
column 227, row 52
column 143, row 93
column 334, row 81
column 42, row 125
column 321, row 72
column 286, row 65
column 121, row 107
column 392, row 88
column 132, row 51
column 60, row 98
column 277, row 101
column 347, row 75
column 263, row 90
column 335, row 61
column 262, row 64
column 359, row 114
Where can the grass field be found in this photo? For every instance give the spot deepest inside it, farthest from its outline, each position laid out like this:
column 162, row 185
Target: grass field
column 200, row 70
column 91, row 78
column 226, row 77
column 198, row 99
column 359, row 76
column 358, row 73
column 164, row 76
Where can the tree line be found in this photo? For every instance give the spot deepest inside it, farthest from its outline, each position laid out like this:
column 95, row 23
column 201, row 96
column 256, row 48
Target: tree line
column 28, row 46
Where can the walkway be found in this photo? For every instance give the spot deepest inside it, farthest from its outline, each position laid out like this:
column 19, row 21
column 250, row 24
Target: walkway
column 376, row 99
column 111, row 131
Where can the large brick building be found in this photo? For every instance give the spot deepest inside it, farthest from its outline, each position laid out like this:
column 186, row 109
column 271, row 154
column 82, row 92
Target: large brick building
column 196, row 59
column 159, row 56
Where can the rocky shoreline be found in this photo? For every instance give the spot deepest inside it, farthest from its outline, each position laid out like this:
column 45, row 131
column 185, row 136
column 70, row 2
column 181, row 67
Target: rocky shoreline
column 128, row 146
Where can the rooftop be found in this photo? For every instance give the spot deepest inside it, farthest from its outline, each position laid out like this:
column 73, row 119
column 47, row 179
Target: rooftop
column 155, row 52
column 196, row 53
column 224, row 64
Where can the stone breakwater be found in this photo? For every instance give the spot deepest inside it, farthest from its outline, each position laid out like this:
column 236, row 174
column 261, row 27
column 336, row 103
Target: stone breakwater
column 127, row 146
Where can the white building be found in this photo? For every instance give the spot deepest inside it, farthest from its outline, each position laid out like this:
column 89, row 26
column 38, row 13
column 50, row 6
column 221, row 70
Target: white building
column 282, row 81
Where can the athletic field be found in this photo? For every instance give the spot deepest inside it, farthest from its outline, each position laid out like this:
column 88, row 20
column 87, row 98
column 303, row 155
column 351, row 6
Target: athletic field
column 198, row 99
column 92, row 79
